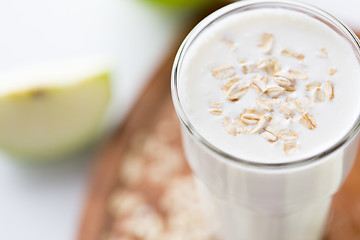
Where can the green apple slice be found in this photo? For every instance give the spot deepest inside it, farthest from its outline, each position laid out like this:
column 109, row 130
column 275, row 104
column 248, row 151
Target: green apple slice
column 53, row 116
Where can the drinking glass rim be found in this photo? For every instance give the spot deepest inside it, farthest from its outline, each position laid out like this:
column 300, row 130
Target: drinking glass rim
column 197, row 30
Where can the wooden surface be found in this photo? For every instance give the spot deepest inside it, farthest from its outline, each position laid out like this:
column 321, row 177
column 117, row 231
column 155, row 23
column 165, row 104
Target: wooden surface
column 154, row 105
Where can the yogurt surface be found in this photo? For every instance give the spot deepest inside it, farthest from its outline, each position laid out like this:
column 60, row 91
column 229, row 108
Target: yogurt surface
column 298, row 76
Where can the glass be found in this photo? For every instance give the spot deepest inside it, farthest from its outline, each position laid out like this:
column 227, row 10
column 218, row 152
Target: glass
column 274, row 201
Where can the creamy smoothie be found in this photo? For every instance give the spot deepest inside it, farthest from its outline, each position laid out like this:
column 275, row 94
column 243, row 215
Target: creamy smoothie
column 268, row 94
column 271, row 86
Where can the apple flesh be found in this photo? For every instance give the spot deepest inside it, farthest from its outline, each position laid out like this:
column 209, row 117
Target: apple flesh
column 46, row 122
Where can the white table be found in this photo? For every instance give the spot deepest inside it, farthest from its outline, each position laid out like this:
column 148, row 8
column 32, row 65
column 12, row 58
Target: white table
column 45, row 202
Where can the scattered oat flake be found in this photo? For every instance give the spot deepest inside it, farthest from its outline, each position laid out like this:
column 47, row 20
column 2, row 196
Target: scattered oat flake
column 290, row 147
column 287, row 52
column 265, row 104
column 144, row 223
column 237, row 91
column 223, row 72
column 312, row 86
column 323, row 53
column 131, row 170
column 225, row 90
column 269, row 134
column 255, row 111
column 240, row 126
column 271, row 65
column 260, row 125
column 277, row 101
column 261, row 64
column 308, row 101
column 216, row 108
column 256, row 88
column 285, row 80
column 285, row 75
column 290, row 89
column 300, row 57
column 274, row 92
column 251, row 68
column 298, row 74
column 332, row 70
column 319, row 95
column 241, row 61
column 308, row 121
column 260, row 81
column 274, row 121
column 123, row 202
column 250, row 118
column 230, row 44
column 285, row 109
column 328, row 90
column 244, row 69
column 299, row 105
column 275, row 66
column 268, row 118
column 287, row 135
column 292, row 53
column 229, row 83
column 229, row 126
column 266, row 43
column 282, row 81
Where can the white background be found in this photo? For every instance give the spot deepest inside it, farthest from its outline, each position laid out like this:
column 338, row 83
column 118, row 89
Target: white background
column 45, row 202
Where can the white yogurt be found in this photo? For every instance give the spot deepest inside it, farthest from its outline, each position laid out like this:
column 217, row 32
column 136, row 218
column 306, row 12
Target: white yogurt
column 291, row 31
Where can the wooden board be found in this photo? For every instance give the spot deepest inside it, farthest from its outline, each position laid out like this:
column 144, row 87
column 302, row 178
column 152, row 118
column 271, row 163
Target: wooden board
column 150, row 133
